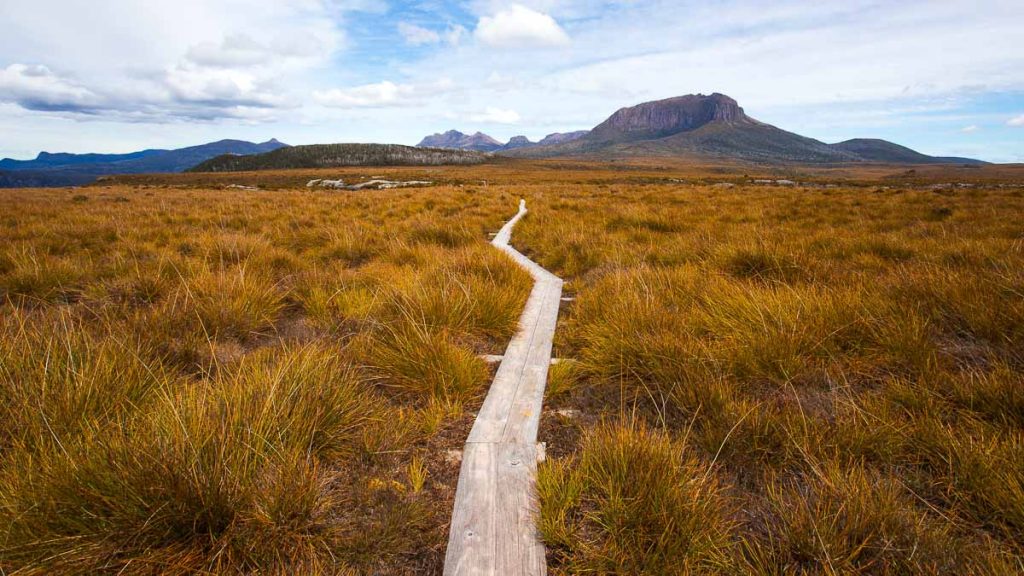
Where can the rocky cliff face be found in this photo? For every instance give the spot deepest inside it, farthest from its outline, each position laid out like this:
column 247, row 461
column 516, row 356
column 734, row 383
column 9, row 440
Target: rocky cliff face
column 666, row 117
column 454, row 139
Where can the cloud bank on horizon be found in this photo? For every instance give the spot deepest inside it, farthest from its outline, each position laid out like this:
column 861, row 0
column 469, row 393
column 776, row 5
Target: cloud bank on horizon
column 945, row 77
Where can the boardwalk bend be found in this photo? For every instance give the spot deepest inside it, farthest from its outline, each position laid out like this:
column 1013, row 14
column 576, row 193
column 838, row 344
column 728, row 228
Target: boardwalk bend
column 493, row 527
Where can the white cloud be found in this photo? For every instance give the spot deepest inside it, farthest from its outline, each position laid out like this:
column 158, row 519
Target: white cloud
column 453, row 35
column 191, row 60
column 39, row 88
column 496, row 116
column 381, row 95
column 520, row 27
column 220, row 87
column 417, row 35
column 233, row 50
column 236, row 50
column 147, row 62
column 498, row 81
column 970, row 129
column 368, row 95
column 1016, row 121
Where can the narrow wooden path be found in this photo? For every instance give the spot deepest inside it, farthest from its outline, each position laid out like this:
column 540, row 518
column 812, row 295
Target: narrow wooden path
column 493, row 527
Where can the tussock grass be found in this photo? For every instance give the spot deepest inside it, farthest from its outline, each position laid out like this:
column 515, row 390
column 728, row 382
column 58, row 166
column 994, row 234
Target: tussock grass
column 237, row 303
column 845, row 366
column 426, row 364
column 633, row 501
column 199, row 381
column 778, row 381
column 851, row 521
column 206, row 473
column 59, row 381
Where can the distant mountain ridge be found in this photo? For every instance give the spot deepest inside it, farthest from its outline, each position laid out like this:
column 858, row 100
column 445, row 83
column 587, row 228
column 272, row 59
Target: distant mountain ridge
column 562, row 137
column 483, row 143
column 715, row 127
column 876, row 150
column 47, row 160
column 337, row 155
column 479, row 142
column 696, row 126
column 64, row 169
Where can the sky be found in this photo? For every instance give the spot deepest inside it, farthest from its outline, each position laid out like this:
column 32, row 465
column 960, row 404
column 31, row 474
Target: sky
column 945, row 77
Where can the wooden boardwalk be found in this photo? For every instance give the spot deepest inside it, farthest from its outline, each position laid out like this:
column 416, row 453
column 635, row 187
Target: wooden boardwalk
column 493, row 528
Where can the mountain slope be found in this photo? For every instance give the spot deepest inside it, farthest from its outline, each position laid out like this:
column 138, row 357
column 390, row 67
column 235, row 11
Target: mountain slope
column 184, row 158
column 695, row 125
column 77, row 169
column 518, row 142
column 44, row 178
column 334, row 155
column 753, row 142
column 562, row 137
column 875, row 150
column 715, row 127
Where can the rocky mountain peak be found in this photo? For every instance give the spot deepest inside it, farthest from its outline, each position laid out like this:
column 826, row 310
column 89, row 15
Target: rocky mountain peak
column 518, row 142
column 670, row 116
column 455, row 139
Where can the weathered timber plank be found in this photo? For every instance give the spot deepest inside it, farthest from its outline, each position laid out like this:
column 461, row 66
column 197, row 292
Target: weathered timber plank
column 472, row 536
column 493, row 530
column 519, row 551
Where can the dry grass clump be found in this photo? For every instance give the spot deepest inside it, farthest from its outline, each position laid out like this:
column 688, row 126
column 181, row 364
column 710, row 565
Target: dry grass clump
column 241, row 382
column 59, row 381
column 236, row 472
column 633, row 501
column 236, row 303
column 426, row 364
column 845, row 365
column 852, row 521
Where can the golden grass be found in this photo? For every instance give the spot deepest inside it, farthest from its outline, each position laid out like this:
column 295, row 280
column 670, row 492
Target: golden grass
column 844, row 364
column 221, row 382
column 768, row 380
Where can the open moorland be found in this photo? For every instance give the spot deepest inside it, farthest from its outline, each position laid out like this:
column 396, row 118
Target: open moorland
column 820, row 377
column 217, row 381
column 780, row 380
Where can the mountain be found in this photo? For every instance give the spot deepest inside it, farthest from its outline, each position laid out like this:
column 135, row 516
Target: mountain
column 695, row 125
column 562, row 137
column 47, row 160
column 712, row 127
column 483, row 142
column 518, row 142
column 335, row 155
column 65, row 169
column 875, row 150
column 454, row 139
column 652, row 120
column 184, row 158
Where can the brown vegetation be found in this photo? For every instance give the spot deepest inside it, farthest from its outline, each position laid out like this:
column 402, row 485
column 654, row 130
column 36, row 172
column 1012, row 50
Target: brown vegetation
column 785, row 380
column 220, row 381
column 769, row 379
